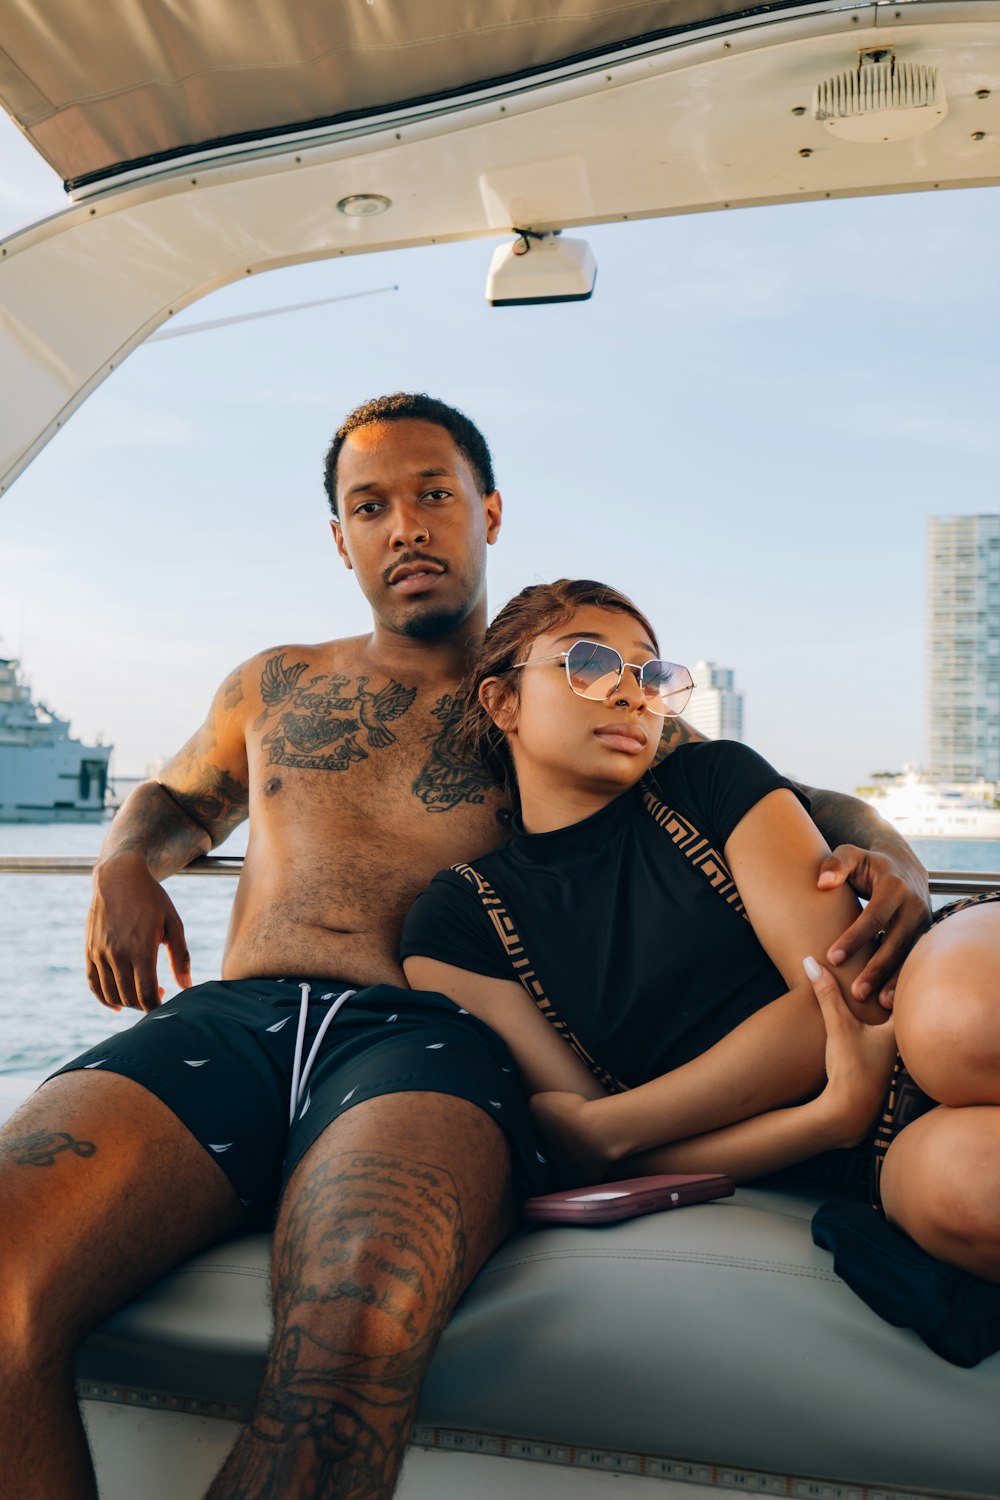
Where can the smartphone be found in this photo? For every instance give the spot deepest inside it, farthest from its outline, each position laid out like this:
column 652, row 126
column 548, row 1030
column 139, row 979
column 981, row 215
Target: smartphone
column 606, row 1202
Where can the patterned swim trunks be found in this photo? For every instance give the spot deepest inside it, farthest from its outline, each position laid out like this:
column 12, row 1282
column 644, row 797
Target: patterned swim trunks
column 224, row 1057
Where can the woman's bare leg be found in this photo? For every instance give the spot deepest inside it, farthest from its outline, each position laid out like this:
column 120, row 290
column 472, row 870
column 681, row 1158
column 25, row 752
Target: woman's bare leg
column 941, row 1183
column 941, row 1178
column 947, row 1009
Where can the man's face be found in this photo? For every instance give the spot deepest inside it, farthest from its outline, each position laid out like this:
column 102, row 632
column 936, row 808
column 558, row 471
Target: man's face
column 413, row 526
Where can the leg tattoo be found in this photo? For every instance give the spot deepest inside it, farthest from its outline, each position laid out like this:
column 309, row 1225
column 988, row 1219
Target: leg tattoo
column 369, row 1264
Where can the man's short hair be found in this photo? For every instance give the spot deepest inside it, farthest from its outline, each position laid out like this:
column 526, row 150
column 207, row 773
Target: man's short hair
column 404, row 406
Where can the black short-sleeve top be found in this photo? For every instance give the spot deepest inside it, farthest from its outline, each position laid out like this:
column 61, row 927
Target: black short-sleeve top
column 642, row 949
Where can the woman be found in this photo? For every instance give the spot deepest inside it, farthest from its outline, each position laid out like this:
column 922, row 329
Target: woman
column 643, row 944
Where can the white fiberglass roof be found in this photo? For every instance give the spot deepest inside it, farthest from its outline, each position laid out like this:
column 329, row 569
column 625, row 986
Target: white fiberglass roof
column 214, row 139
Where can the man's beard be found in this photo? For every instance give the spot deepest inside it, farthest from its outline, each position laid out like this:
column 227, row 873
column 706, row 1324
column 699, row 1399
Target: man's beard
column 433, row 625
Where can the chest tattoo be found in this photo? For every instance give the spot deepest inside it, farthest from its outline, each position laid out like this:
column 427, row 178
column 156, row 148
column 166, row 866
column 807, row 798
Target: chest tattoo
column 322, row 723
column 447, row 777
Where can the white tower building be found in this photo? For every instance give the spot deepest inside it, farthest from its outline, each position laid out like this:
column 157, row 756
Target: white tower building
column 963, row 656
column 716, row 708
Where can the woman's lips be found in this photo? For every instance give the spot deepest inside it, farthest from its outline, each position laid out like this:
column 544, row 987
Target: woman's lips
column 631, row 740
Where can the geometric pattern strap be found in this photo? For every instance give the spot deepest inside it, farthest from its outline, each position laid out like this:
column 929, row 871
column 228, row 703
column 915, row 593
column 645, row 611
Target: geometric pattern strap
column 524, row 969
column 697, row 850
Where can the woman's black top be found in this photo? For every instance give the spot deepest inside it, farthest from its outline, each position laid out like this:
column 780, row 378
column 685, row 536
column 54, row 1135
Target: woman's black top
column 633, row 945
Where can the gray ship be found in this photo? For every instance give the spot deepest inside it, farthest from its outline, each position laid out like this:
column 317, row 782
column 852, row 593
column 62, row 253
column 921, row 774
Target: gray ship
column 46, row 776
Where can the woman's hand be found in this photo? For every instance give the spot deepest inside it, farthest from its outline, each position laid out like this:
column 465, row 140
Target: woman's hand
column 859, row 1060
column 570, row 1129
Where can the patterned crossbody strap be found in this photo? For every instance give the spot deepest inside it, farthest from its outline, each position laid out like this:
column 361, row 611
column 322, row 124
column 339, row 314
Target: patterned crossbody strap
column 696, row 849
column 524, row 970
column 686, row 838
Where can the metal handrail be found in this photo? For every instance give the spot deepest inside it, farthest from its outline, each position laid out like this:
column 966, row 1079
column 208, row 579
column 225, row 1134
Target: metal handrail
column 942, row 882
column 71, row 864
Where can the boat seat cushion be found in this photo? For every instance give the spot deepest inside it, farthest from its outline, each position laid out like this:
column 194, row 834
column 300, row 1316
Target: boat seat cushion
column 718, row 1333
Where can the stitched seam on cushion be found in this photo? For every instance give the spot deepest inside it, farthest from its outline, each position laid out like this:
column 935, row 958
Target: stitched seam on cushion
column 672, row 1256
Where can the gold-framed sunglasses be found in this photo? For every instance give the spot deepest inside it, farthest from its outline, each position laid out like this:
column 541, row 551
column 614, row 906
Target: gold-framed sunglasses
column 595, row 671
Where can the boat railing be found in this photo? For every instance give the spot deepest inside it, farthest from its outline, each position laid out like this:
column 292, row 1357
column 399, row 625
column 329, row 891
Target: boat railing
column 942, row 882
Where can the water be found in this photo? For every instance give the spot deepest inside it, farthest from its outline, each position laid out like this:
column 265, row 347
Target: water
column 47, row 1013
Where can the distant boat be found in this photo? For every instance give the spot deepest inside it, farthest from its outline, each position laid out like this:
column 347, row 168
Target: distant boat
column 46, row 776
column 921, row 809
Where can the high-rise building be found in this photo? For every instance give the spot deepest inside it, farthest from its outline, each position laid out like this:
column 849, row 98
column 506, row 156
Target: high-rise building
column 716, row 708
column 963, row 655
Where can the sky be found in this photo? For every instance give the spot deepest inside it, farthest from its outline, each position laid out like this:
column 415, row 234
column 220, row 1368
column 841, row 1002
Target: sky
column 745, row 429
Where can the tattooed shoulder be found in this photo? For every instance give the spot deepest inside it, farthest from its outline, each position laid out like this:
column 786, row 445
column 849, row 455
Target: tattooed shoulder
column 232, row 690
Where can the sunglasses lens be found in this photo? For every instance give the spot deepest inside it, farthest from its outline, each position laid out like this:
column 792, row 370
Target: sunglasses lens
column 667, row 686
column 594, row 671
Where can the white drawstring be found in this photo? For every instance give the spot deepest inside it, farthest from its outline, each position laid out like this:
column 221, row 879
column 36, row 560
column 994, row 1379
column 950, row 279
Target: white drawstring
column 300, row 1074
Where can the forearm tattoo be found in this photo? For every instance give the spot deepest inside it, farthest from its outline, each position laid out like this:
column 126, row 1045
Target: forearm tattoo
column 152, row 823
column 41, row 1147
column 368, row 1268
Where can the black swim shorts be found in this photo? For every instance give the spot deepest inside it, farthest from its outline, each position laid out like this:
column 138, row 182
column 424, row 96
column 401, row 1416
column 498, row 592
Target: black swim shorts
column 222, row 1056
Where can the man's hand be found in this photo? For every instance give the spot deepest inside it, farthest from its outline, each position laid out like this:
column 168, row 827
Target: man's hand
column 129, row 917
column 898, row 911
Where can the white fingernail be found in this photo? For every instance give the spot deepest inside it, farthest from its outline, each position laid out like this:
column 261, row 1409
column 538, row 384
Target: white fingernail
column 812, row 968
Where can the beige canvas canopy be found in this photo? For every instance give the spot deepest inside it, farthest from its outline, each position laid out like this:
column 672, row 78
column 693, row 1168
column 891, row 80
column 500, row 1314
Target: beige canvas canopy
column 96, row 86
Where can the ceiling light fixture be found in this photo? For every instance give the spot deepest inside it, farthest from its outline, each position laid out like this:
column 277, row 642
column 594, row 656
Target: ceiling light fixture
column 364, row 205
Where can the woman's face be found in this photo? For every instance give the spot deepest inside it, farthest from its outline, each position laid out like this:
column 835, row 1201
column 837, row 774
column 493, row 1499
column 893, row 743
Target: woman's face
column 603, row 746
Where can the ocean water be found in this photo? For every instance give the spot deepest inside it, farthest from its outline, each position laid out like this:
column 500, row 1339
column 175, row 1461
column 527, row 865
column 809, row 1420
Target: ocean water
column 47, row 1013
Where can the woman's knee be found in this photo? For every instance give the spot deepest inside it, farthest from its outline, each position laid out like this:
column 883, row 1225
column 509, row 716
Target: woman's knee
column 947, row 1010
column 941, row 1184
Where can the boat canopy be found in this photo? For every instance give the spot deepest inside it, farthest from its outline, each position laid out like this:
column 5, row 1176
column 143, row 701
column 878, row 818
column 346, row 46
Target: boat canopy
column 211, row 140
column 100, row 88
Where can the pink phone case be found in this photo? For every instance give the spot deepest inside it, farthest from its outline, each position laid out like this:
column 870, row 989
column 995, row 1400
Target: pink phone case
column 606, row 1202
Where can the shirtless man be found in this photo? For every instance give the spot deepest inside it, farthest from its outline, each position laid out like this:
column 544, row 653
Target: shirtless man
column 409, row 1143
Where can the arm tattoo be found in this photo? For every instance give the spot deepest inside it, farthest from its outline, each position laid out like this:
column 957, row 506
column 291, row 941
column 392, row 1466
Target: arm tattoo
column 219, row 805
column 842, row 819
column 369, row 1264
column 152, row 823
column 41, row 1147
column 326, row 723
column 448, row 778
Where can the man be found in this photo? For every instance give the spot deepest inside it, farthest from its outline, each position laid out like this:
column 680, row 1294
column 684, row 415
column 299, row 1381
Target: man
column 408, row 1142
